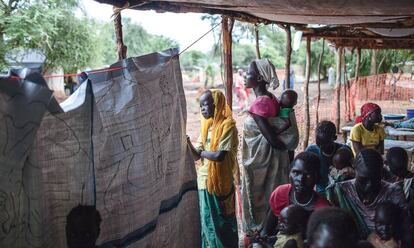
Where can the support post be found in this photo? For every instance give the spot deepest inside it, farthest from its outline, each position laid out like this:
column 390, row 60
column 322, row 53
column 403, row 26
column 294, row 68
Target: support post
column 288, row 55
column 338, row 88
column 318, row 99
column 256, row 35
column 306, row 93
column 358, row 64
column 226, row 29
column 354, row 86
column 121, row 48
column 347, row 89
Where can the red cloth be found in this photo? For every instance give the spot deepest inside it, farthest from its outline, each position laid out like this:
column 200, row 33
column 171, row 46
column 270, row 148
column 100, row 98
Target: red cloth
column 265, row 106
column 366, row 109
column 280, row 199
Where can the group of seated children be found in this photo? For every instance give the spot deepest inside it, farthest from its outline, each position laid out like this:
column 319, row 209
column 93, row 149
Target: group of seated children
column 359, row 200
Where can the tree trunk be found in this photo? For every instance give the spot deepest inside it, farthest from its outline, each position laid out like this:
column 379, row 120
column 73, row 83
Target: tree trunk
column 226, row 29
column 338, row 88
column 256, row 35
column 318, row 98
column 373, row 62
column 306, row 93
column 121, row 48
column 288, row 56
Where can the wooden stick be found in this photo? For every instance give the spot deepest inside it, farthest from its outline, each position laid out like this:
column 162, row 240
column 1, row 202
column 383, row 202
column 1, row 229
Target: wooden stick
column 288, row 55
column 318, row 99
column 338, row 88
column 121, row 48
column 256, row 35
column 306, row 93
column 226, row 29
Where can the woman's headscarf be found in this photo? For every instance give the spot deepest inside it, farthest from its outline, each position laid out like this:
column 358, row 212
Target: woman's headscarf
column 267, row 70
column 366, row 110
column 220, row 174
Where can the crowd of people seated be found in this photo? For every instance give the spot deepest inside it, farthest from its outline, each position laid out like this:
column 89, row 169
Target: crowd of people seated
column 329, row 196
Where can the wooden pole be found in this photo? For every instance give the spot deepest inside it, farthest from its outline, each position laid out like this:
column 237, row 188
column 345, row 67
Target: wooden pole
column 347, row 88
column 318, row 99
column 226, row 29
column 358, row 64
column 338, row 88
column 288, row 55
column 256, row 35
column 121, row 48
column 306, row 93
column 373, row 62
column 354, row 86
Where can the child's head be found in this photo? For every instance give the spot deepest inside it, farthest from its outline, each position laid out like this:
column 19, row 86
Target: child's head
column 343, row 158
column 292, row 220
column 82, row 227
column 397, row 161
column 388, row 217
column 332, row 227
column 288, row 99
column 207, row 106
column 325, row 135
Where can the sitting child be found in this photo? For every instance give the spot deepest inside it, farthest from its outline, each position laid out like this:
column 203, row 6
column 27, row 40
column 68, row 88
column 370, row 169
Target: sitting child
column 408, row 227
column 292, row 225
column 397, row 163
column 288, row 100
column 333, row 228
column 342, row 165
column 82, row 227
column 388, row 219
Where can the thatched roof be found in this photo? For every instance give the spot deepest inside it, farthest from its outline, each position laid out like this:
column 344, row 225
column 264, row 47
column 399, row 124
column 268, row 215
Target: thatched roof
column 375, row 13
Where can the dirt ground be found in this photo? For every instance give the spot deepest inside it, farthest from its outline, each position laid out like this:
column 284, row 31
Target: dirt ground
column 326, row 110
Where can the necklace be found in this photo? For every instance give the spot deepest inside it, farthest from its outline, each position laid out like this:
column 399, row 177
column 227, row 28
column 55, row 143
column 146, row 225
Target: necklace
column 328, row 155
column 300, row 204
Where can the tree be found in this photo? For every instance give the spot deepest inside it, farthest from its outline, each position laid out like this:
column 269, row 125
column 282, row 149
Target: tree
column 136, row 38
column 49, row 26
column 193, row 58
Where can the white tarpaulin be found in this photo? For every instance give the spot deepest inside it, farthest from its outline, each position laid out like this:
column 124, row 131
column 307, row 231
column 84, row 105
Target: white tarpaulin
column 123, row 149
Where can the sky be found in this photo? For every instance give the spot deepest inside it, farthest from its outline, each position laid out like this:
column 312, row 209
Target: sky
column 184, row 28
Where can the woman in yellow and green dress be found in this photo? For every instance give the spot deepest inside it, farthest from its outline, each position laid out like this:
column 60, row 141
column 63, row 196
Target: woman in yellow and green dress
column 217, row 149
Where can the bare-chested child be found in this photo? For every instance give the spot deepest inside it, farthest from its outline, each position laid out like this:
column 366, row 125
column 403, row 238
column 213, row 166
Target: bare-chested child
column 292, row 227
column 388, row 219
column 288, row 100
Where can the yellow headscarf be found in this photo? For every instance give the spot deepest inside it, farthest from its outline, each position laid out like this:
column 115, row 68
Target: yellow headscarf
column 220, row 174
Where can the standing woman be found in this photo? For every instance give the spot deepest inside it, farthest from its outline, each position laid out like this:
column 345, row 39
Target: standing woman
column 265, row 156
column 217, row 148
column 367, row 134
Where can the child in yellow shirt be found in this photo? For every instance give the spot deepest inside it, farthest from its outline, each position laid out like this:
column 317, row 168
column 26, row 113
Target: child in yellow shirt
column 367, row 133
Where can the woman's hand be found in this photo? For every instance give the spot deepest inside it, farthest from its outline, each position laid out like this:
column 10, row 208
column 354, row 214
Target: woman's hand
column 195, row 152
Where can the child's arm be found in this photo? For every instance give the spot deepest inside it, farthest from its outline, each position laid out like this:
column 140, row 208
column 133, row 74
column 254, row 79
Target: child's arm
column 269, row 224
